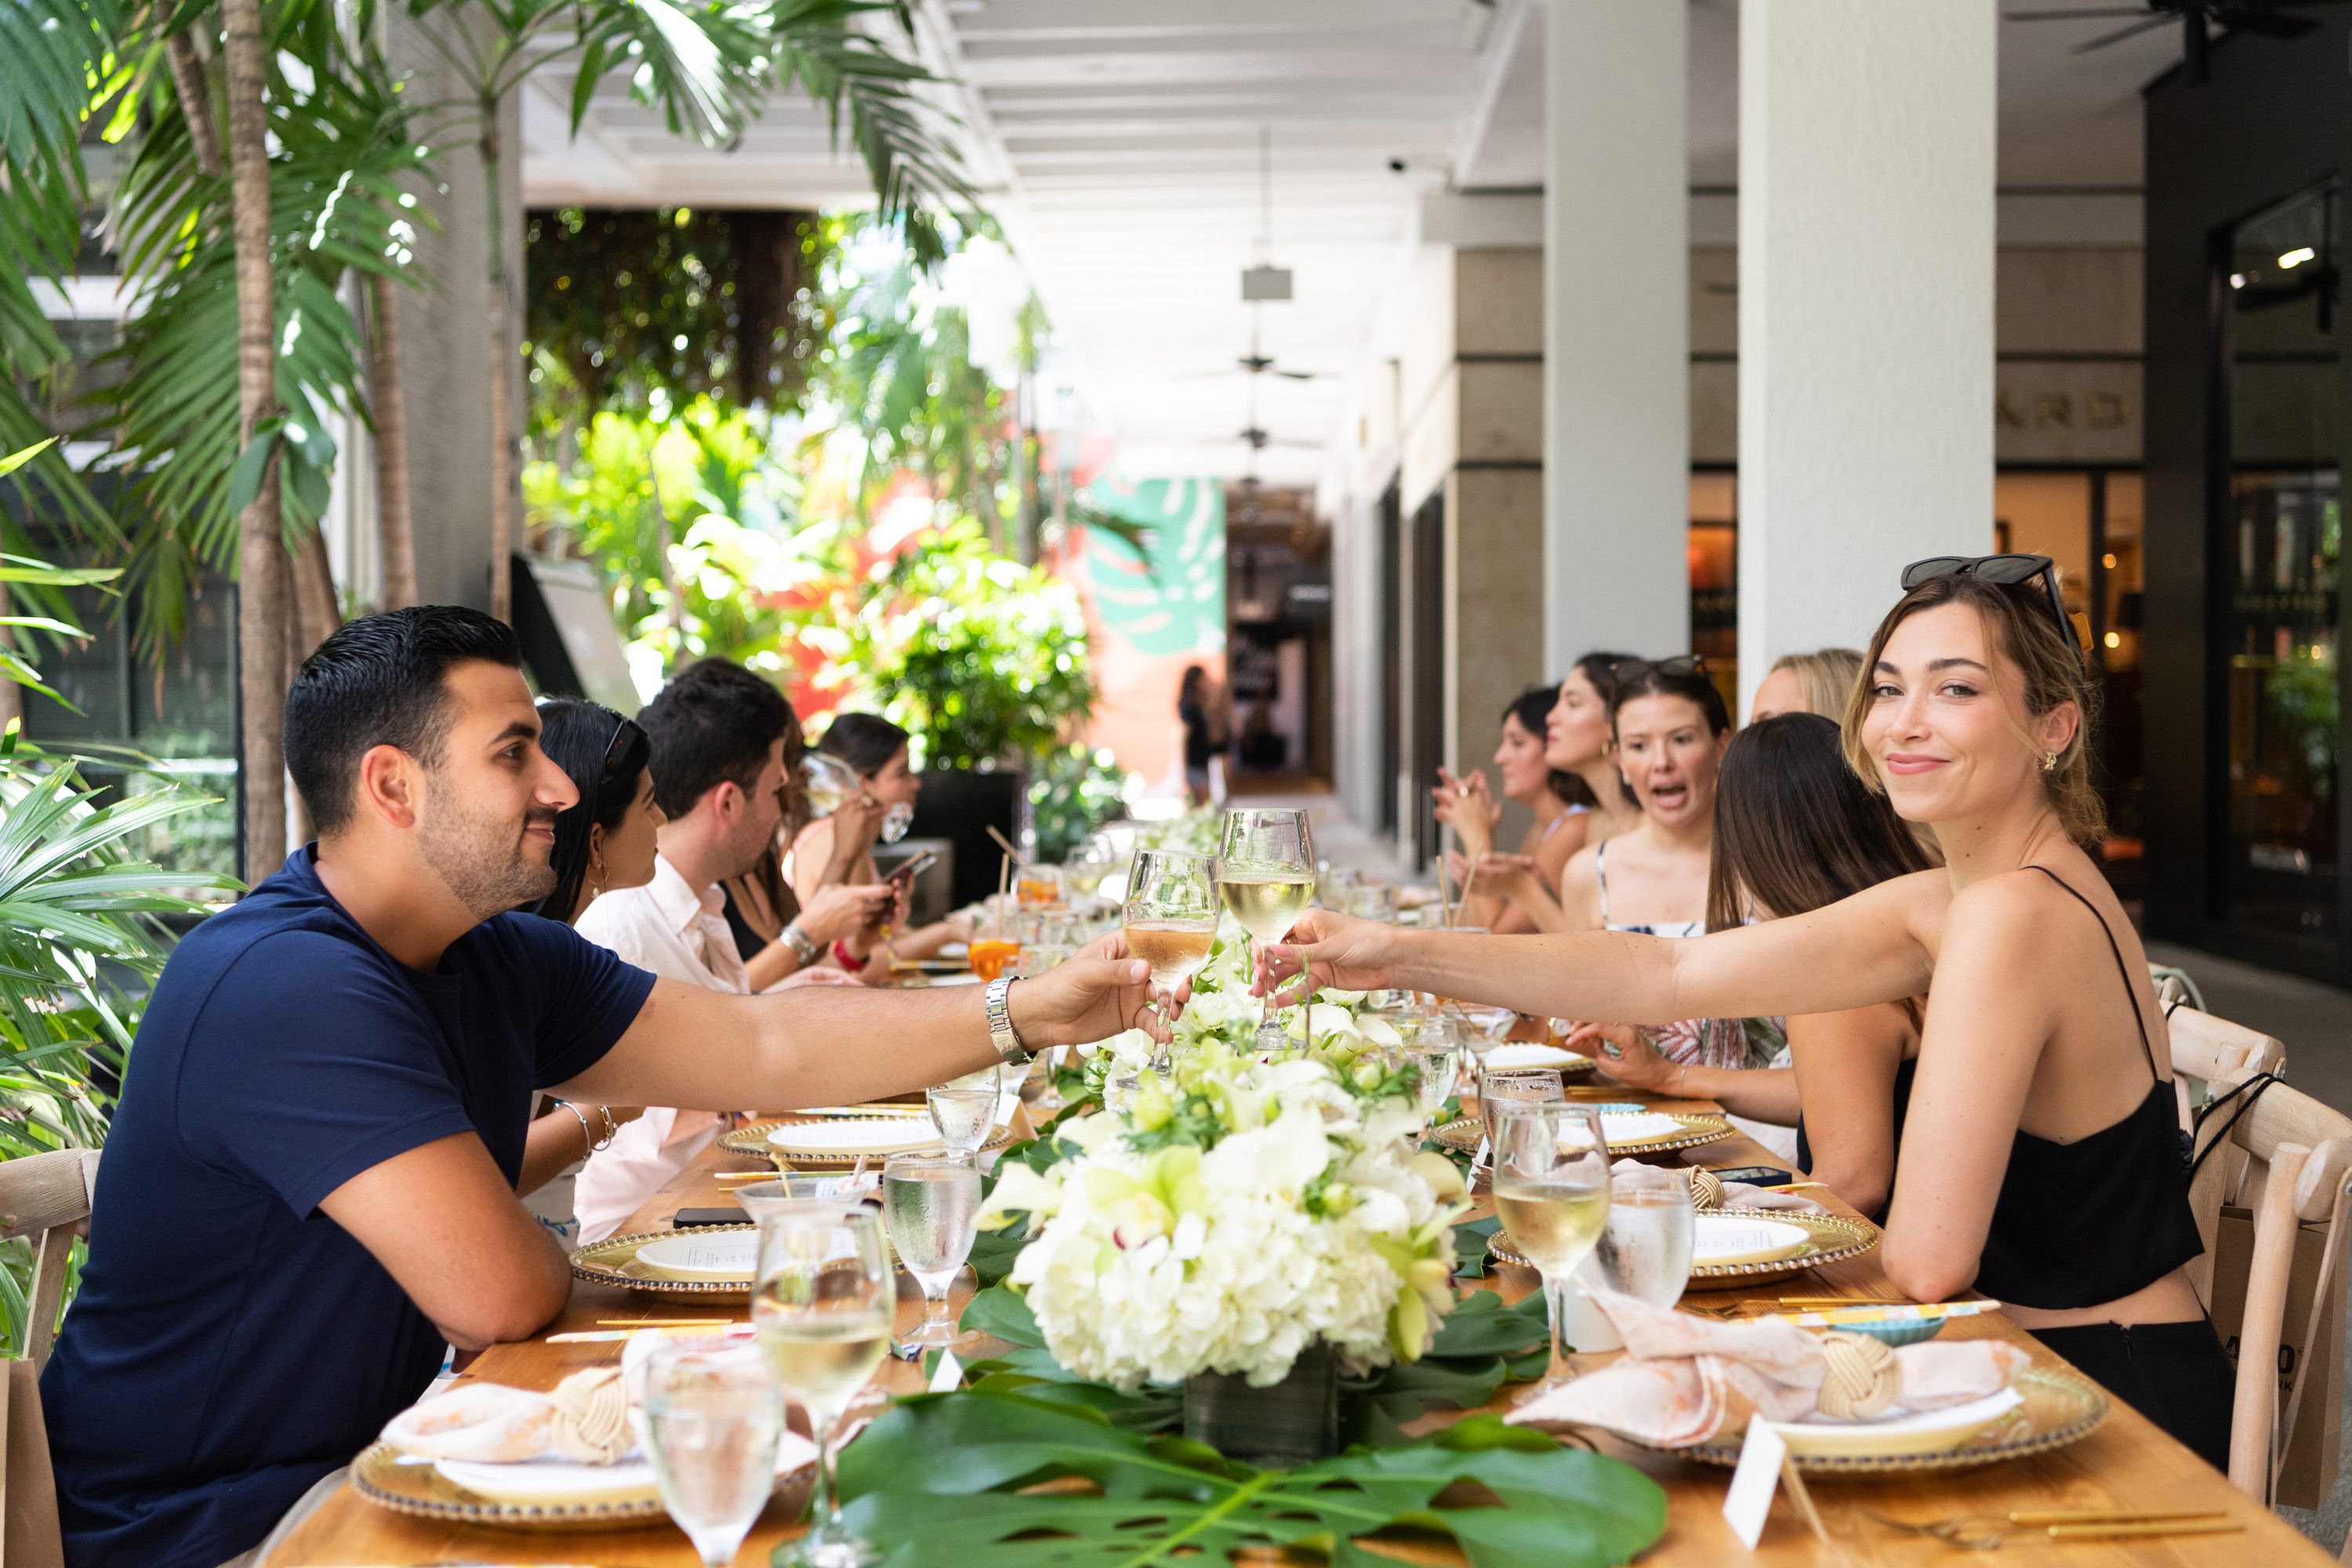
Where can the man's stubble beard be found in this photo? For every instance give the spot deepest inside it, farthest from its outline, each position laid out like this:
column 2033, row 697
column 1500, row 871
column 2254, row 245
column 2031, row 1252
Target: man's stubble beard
column 484, row 859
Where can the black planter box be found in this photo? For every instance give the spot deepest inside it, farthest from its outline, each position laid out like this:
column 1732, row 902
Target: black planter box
column 960, row 806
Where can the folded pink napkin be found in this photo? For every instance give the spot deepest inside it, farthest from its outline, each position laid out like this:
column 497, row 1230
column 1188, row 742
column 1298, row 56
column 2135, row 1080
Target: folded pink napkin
column 486, row 1421
column 1687, row 1380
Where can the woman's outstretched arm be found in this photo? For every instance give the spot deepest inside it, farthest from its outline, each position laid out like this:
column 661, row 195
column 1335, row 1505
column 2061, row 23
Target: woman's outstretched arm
column 1865, row 949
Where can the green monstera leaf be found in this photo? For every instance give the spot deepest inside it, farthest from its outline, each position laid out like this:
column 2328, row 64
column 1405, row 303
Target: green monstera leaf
column 933, row 1481
column 1172, row 600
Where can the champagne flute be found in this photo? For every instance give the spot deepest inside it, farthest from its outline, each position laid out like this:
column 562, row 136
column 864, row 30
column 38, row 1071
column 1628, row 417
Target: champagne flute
column 1436, row 1057
column 827, row 782
column 713, row 1418
column 1266, row 873
column 964, row 1110
column 822, row 1311
column 1551, row 1190
column 932, row 1209
column 1170, row 917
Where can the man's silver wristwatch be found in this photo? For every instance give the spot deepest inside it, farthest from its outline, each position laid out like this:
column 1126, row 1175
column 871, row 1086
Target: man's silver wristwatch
column 800, row 943
column 1000, row 1025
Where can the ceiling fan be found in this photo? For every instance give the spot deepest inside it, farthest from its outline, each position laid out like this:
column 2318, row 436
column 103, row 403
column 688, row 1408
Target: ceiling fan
column 1259, row 438
column 2268, row 18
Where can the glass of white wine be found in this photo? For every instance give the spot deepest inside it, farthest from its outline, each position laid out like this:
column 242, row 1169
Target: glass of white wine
column 1551, row 1192
column 1170, row 917
column 713, row 1417
column 1266, row 873
column 827, row 782
column 933, row 1209
column 964, row 1110
column 821, row 1308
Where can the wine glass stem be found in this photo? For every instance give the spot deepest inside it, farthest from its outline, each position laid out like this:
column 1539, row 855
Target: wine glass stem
column 1555, row 1301
column 824, row 1511
column 935, row 1307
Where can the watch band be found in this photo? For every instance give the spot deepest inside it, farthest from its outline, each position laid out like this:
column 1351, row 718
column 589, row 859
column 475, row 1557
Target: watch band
column 1000, row 1025
column 803, row 944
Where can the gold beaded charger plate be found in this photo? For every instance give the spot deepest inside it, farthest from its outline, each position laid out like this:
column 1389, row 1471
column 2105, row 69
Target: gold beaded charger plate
column 1694, row 1129
column 616, row 1260
column 2054, row 1409
column 1828, row 1238
column 889, row 1130
column 406, row 1483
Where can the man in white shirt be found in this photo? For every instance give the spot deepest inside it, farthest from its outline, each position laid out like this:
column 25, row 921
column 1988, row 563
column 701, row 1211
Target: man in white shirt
column 718, row 735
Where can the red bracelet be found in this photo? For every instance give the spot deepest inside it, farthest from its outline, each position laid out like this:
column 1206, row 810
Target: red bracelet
column 840, row 956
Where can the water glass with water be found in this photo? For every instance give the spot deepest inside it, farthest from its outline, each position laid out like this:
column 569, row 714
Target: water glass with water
column 964, row 1110
column 931, row 1206
column 713, row 1418
column 1646, row 1251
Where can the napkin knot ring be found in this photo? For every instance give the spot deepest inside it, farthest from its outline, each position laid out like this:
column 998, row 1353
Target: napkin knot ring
column 1862, row 1377
column 591, row 1416
column 1705, row 1188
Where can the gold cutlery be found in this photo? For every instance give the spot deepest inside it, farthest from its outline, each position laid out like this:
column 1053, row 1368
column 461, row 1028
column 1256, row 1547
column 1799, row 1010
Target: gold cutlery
column 1987, row 1531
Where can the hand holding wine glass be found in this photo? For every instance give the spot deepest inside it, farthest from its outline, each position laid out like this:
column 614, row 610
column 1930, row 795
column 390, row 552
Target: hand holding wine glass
column 1266, row 874
column 1171, row 918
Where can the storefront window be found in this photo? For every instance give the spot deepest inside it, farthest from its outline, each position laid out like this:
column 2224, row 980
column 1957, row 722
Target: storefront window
column 2284, row 538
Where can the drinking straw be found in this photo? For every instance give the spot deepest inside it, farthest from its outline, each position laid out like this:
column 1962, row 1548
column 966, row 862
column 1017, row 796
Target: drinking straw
column 1003, row 875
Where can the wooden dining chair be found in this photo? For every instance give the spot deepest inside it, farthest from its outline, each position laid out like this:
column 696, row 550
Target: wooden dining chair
column 43, row 1199
column 2287, row 1159
column 2206, row 1049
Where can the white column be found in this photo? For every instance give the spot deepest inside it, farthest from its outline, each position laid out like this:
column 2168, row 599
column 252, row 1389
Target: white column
column 1866, row 178
column 1616, row 328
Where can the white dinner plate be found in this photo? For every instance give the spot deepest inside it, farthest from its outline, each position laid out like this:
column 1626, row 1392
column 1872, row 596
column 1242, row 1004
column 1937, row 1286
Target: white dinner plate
column 1718, row 1240
column 541, row 1482
column 1533, row 1054
column 725, row 1255
column 849, row 1137
column 1898, row 1432
column 1624, row 1129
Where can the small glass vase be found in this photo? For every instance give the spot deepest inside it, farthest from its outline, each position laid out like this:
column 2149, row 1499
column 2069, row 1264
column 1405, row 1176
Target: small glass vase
column 1291, row 1422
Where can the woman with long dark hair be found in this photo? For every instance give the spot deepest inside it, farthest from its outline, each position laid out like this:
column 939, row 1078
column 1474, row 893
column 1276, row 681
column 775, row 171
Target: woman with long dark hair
column 1559, row 801
column 1795, row 830
column 2041, row 1160
column 877, row 751
column 604, row 840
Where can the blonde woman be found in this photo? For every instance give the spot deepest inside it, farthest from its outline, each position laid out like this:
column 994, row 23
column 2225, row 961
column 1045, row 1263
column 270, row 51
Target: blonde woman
column 1820, row 682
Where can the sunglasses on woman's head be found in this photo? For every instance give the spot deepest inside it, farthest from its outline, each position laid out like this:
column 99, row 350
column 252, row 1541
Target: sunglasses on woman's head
column 1629, row 670
column 2008, row 571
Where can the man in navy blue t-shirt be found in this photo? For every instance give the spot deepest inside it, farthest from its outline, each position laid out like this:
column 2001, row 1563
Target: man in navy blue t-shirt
column 309, row 1183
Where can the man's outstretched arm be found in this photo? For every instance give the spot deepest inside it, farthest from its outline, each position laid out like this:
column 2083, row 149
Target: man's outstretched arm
column 840, row 1045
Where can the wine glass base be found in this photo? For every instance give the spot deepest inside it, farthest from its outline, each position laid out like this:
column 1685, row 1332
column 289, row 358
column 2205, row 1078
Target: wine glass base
column 834, row 1551
column 1273, row 1036
column 950, row 1338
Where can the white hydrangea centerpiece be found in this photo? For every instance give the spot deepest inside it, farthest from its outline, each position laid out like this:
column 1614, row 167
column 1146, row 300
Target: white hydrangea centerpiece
column 1228, row 1220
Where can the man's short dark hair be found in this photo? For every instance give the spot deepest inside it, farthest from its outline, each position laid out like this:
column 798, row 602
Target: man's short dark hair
column 712, row 725
column 378, row 682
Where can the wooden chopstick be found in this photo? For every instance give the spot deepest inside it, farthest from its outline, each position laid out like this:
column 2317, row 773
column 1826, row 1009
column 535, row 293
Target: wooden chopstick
column 2111, row 1515
column 664, row 1322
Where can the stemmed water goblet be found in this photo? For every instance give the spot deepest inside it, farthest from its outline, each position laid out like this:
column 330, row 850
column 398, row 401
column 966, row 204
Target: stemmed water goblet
column 713, row 1418
column 1507, row 1086
column 821, row 1308
column 964, row 1110
column 1551, row 1192
column 1266, row 874
column 1171, row 918
column 932, row 1209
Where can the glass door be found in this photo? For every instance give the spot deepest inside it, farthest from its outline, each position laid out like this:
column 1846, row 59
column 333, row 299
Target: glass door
column 2281, row 543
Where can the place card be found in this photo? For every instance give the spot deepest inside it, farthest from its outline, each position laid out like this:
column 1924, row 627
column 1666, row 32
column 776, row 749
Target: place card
column 947, row 1376
column 1765, row 1467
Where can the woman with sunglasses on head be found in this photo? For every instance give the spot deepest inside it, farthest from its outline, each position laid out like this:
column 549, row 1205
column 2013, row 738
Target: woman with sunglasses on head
column 1560, row 802
column 1796, row 830
column 876, row 750
column 2040, row 1157
column 603, row 841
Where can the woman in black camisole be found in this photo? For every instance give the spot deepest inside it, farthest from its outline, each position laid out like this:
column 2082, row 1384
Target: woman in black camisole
column 2041, row 1160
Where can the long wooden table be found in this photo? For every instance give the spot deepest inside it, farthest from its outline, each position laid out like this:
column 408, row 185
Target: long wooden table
column 2126, row 1463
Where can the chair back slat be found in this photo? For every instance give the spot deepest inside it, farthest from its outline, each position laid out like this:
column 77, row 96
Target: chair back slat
column 43, row 1198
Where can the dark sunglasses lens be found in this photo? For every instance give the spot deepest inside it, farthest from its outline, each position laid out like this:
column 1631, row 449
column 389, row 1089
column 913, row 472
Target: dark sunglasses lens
column 2009, row 569
column 1919, row 571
